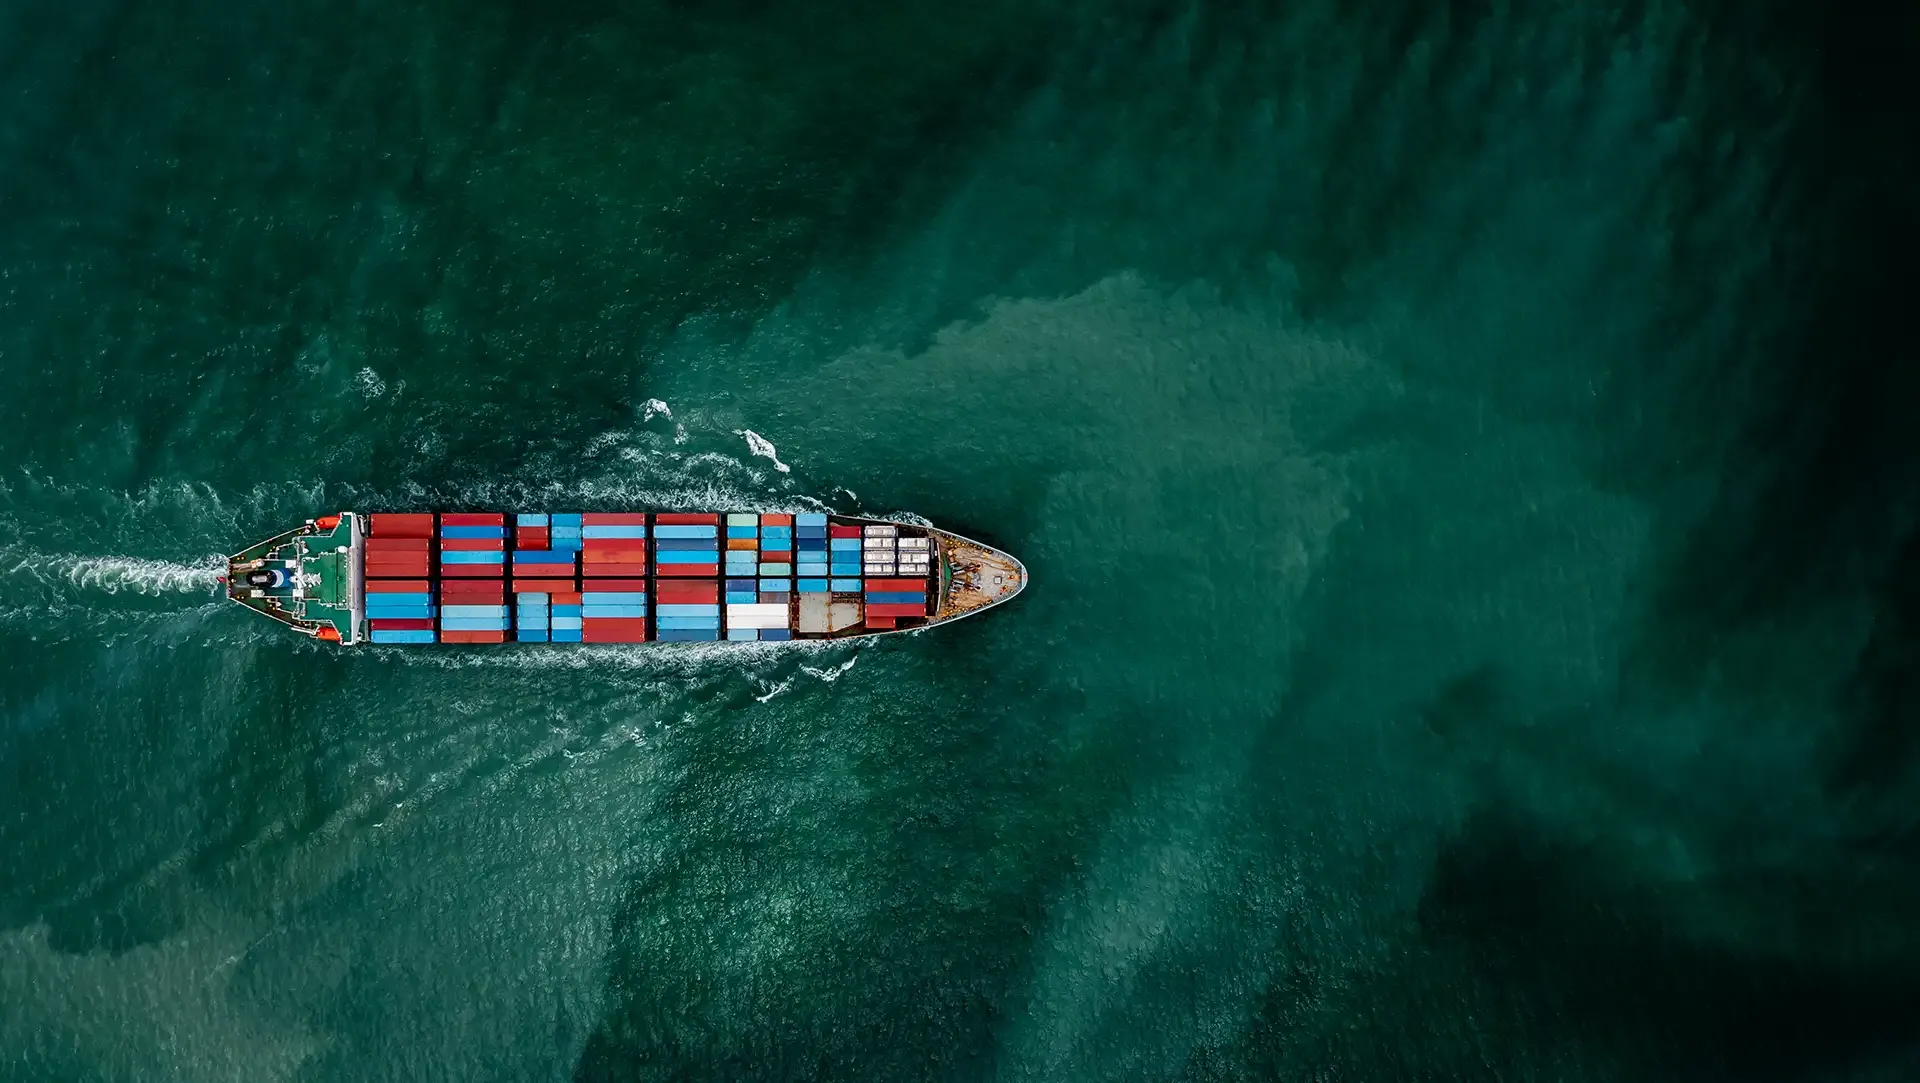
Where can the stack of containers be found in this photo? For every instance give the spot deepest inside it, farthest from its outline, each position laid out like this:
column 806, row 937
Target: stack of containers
column 614, row 544
column 614, row 616
column 877, row 552
column 567, row 623
column 473, row 559
column 776, row 568
column 890, row 599
column 743, row 545
column 810, row 560
column 843, row 544
column 395, row 561
column 916, row 558
column 539, row 566
column 530, row 616
column 563, row 532
column 687, row 545
column 687, row 610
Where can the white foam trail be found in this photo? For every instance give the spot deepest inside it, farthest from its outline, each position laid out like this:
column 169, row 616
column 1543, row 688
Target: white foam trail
column 113, row 575
column 764, row 448
column 653, row 407
column 774, row 690
column 831, row 673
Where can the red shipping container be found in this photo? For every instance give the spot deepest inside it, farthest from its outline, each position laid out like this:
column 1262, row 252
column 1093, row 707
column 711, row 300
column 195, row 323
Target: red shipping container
column 881, row 622
column 895, row 609
column 472, row 518
column 395, row 560
column 543, row 586
column 471, row 571
column 897, row 585
column 685, row 518
column 837, row 531
column 613, row 630
column 639, row 585
column 473, row 545
column 397, row 525
column 473, row 637
column 604, row 551
column 397, row 545
column 396, row 571
column 687, row 571
column 621, row 518
column 625, row 569
column 531, row 539
column 396, row 586
column 469, row 586
column 776, row 518
column 671, row 593
column 564, row 599
column 553, row 571
column 402, row 624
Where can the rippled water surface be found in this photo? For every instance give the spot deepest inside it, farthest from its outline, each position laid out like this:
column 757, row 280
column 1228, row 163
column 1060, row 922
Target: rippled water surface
column 1464, row 453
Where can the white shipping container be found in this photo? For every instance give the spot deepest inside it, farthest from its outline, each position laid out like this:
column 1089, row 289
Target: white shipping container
column 741, row 610
column 916, row 543
column 878, row 543
column 884, row 531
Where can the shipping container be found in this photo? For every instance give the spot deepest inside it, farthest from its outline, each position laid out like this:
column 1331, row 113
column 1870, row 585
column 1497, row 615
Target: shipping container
column 880, row 530
column 396, row 586
column 381, row 636
column 388, row 524
column 473, row 637
column 401, row 624
column 681, row 518
column 613, row 518
column 461, row 518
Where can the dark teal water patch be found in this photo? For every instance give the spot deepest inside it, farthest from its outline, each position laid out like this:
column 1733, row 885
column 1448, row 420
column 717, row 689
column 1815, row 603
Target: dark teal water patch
column 1459, row 451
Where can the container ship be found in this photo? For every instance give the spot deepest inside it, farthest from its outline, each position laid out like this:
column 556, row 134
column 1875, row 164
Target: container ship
column 614, row 577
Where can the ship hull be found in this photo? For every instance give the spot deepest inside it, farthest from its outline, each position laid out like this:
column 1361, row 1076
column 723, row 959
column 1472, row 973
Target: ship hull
column 446, row 578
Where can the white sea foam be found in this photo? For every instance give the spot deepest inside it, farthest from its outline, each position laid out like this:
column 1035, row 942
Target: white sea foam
column 653, row 407
column 764, row 448
column 115, row 575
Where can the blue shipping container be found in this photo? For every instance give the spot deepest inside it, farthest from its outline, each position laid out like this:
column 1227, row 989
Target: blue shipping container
column 686, row 530
column 838, row 544
column 422, row 635
column 566, row 518
column 614, row 597
column 687, row 635
column 768, row 635
column 673, row 610
column 410, row 598
column 742, row 597
column 704, row 545
column 666, row 623
column 896, row 597
column 473, row 532
column 473, row 610
column 678, row 556
column 613, row 531
column 531, row 635
column 530, row 518
column 743, row 532
column 613, row 611
column 776, row 568
column 743, row 635
column 566, row 610
column 473, row 624
column 471, row 557
column 566, row 635
column 845, row 584
column 561, row 623
column 813, row 586
column 811, row 518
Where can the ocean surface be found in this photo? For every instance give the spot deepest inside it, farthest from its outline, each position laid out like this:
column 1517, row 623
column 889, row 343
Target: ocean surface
column 1465, row 452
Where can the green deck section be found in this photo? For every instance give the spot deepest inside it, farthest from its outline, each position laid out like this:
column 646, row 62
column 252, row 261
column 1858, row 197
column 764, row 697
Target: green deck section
column 328, row 556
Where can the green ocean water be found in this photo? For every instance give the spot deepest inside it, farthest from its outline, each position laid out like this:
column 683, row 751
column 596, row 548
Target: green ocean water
column 1463, row 452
